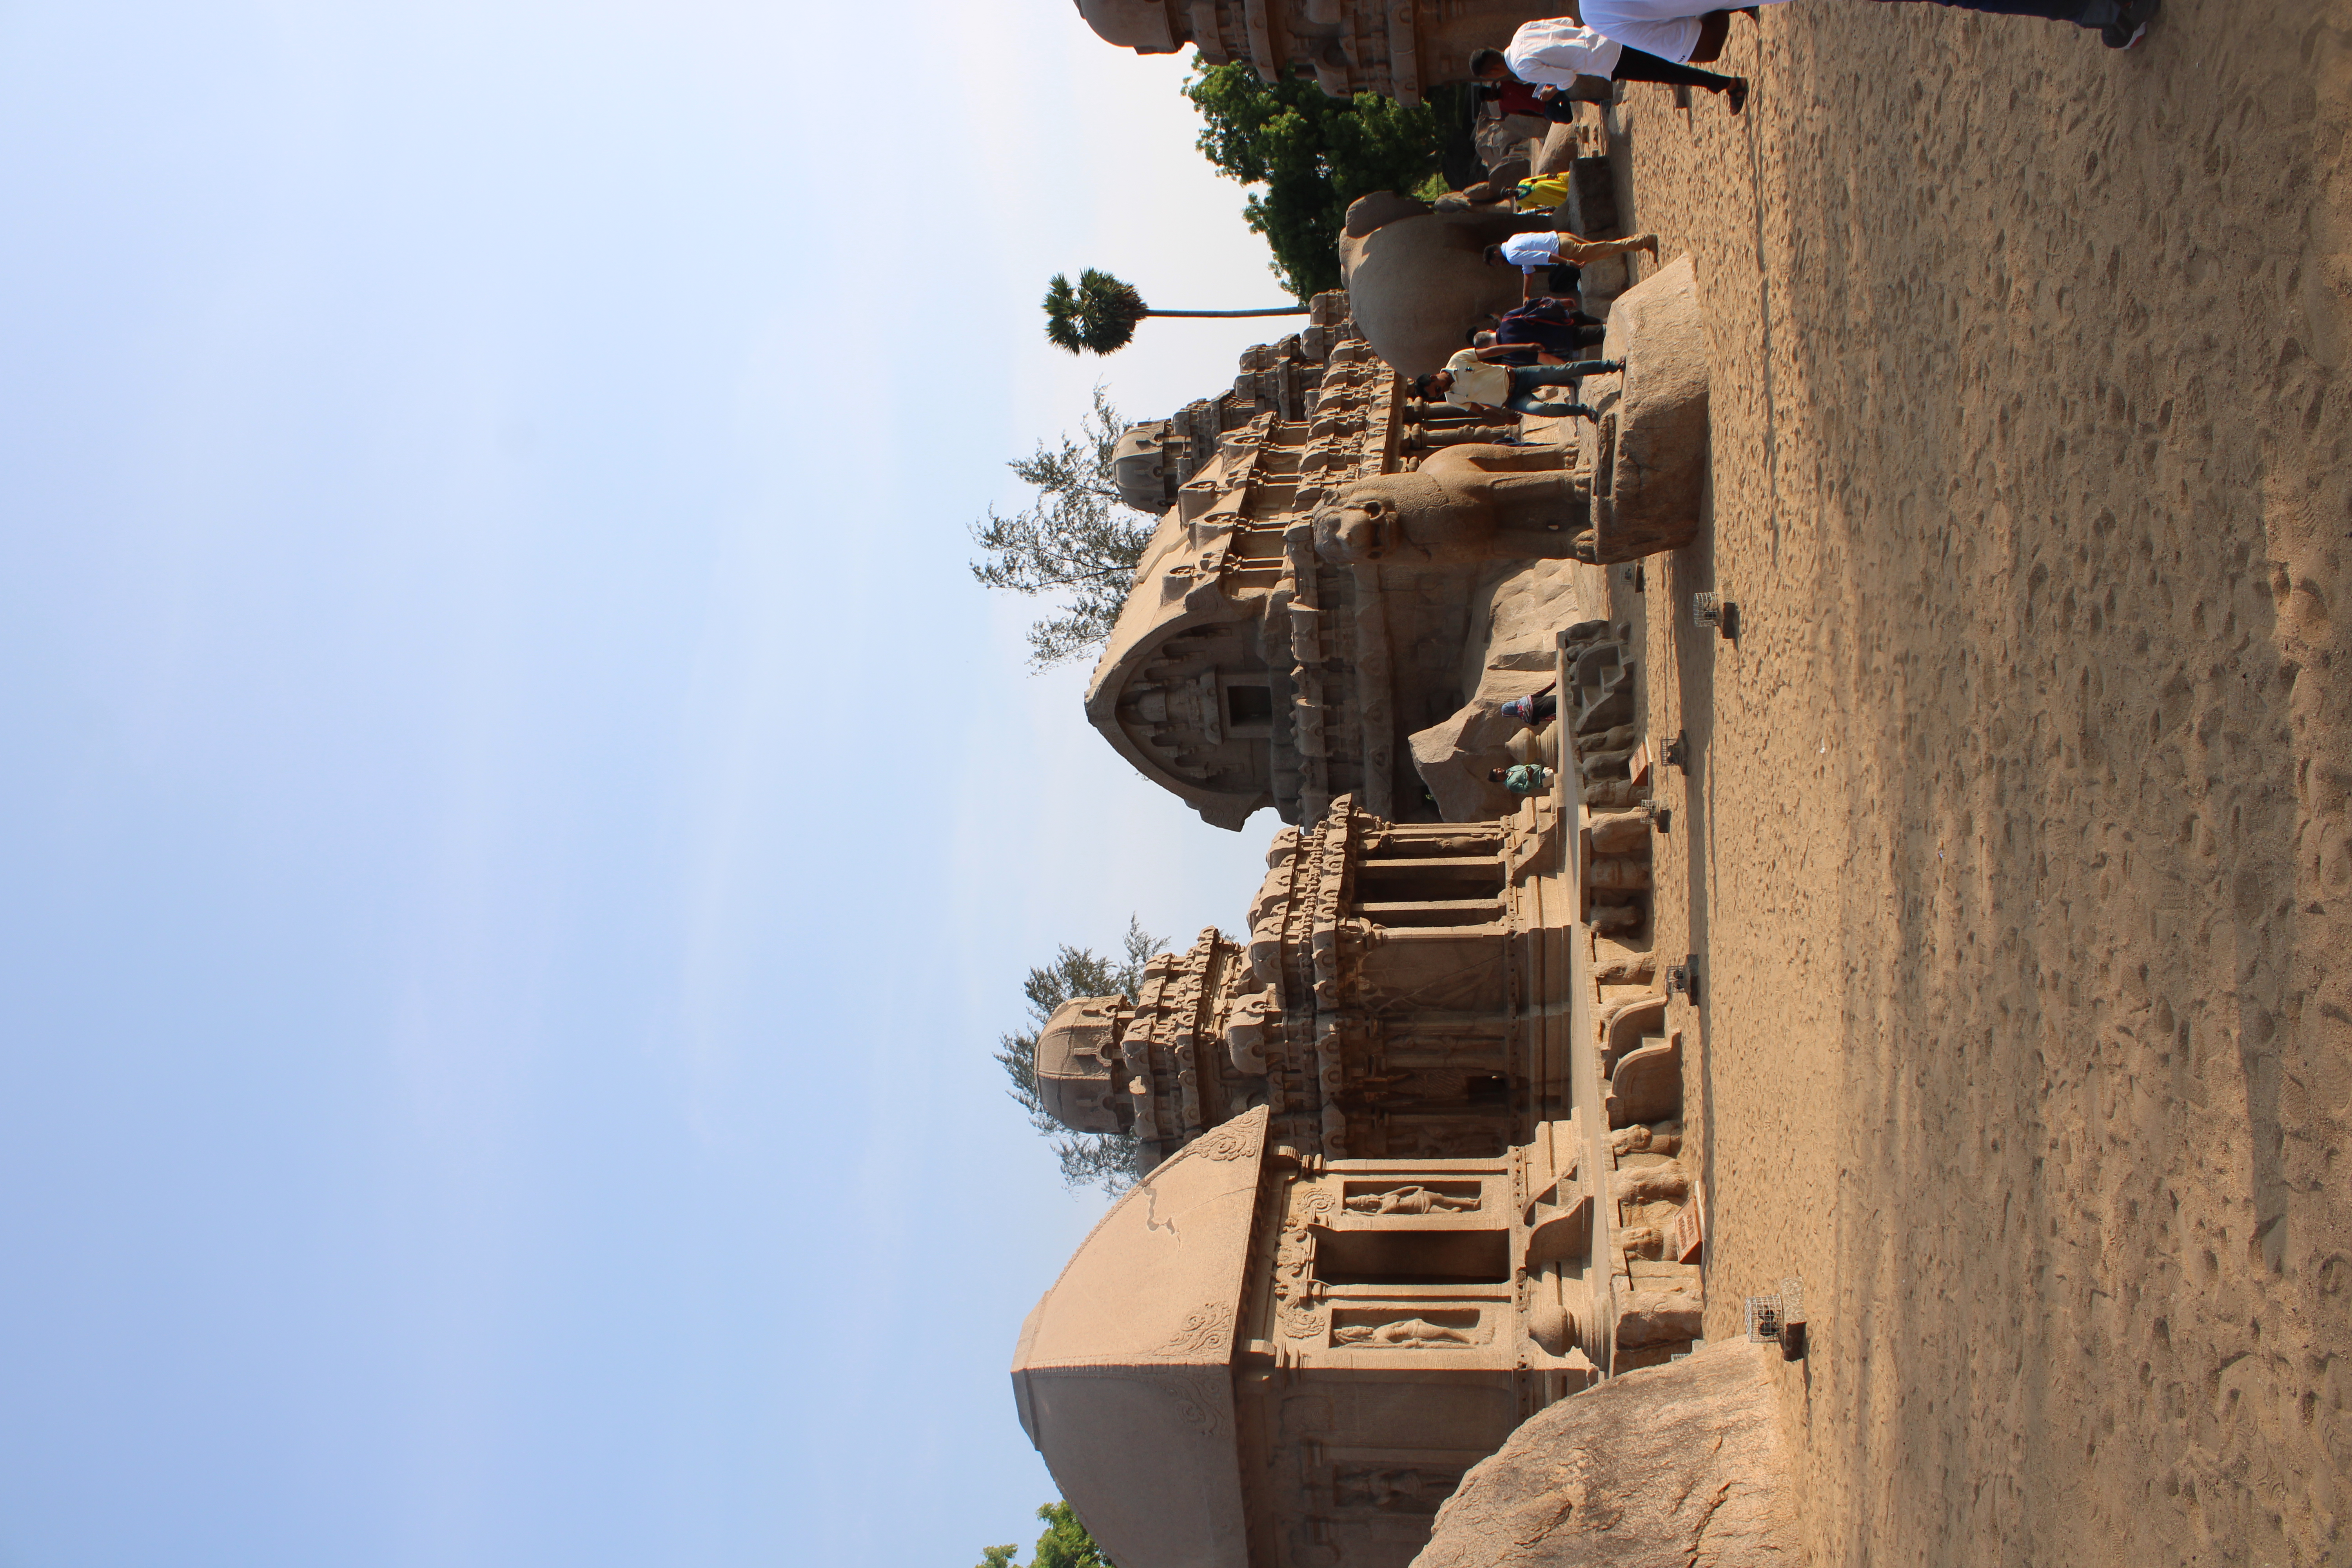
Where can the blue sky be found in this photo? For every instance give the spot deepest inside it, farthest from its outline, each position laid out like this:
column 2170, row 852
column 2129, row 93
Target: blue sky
column 520, row 833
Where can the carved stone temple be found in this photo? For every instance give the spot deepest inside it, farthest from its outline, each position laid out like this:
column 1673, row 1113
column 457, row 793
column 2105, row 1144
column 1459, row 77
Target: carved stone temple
column 1394, row 48
column 1257, row 663
column 1417, row 1136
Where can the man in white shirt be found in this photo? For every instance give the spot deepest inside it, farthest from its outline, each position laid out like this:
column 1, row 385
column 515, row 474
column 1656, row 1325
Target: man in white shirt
column 1469, row 382
column 1542, row 250
column 1678, row 31
column 1669, row 30
column 1551, row 55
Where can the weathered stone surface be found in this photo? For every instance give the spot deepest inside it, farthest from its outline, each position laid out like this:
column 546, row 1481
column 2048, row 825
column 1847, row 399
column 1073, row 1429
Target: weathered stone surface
column 1318, row 1168
column 1648, row 454
column 1521, row 607
column 1392, row 47
column 1465, row 504
column 1675, row 1466
column 1417, row 278
column 1562, row 145
column 1650, row 1316
column 1453, row 755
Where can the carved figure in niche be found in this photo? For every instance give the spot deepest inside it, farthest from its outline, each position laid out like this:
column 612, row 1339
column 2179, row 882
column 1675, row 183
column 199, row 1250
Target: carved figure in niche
column 1593, row 764
column 1637, row 1139
column 1615, row 917
column 1391, row 1490
column 1620, row 833
column 1411, row 1200
column 1437, row 844
column 1641, row 1241
column 1464, row 505
column 1617, row 871
column 1624, row 969
column 1372, row 1086
column 1668, row 1182
column 1609, row 791
column 1406, row 1333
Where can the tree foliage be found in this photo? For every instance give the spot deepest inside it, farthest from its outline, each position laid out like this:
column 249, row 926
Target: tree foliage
column 1088, row 1159
column 1097, row 315
column 1065, row 1544
column 1099, row 312
column 1313, row 154
column 1078, row 540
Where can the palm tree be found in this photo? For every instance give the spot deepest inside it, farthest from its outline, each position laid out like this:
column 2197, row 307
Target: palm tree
column 1099, row 315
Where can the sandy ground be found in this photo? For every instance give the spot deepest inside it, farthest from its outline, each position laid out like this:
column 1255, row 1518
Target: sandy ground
column 2016, row 852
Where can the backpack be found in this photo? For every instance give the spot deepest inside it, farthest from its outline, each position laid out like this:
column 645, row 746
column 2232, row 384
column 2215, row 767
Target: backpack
column 1544, row 190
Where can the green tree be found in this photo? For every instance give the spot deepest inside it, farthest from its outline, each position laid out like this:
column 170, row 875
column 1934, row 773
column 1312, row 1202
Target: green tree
column 1065, row 1544
column 1088, row 1159
column 1079, row 538
column 1314, row 154
column 1099, row 312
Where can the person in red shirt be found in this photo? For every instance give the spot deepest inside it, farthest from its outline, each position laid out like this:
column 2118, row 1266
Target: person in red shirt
column 1556, row 104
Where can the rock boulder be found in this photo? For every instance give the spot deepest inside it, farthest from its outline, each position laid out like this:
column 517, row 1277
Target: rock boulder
column 1674, row 1466
column 1648, row 454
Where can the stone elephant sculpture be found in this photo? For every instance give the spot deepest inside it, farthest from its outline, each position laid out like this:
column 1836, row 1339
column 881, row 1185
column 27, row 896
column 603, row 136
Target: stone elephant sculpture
column 1417, row 278
column 1466, row 504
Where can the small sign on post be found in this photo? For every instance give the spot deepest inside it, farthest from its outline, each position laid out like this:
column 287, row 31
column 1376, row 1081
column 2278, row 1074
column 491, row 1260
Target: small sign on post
column 1689, row 1234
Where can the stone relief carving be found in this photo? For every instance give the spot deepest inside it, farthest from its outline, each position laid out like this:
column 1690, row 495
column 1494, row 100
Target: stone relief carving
column 1197, row 1396
column 1665, row 1183
column 1393, row 1488
column 1303, row 1321
column 1465, row 503
column 1311, row 1205
column 1201, row 1331
column 1230, row 1142
column 1640, row 1241
column 1405, row 1333
column 1638, row 1138
column 1411, row 1200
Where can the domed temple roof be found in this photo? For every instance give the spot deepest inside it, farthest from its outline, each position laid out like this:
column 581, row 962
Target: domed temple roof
column 1075, row 1061
column 1123, row 1374
column 1138, row 25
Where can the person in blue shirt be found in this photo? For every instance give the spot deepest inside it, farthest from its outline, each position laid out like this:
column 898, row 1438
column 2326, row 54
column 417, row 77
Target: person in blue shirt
column 1522, row 778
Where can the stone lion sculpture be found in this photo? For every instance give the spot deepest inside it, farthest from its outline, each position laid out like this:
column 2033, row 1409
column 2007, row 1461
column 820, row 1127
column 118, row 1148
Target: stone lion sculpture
column 1465, row 504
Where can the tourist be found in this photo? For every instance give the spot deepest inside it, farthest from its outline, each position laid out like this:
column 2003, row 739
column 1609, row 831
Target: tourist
column 1543, row 249
column 1553, row 339
column 1516, row 354
column 1469, row 382
column 1673, row 32
column 1521, row 778
column 1534, row 708
column 1553, row 325
column 1556, row 58
column 1557, row 104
